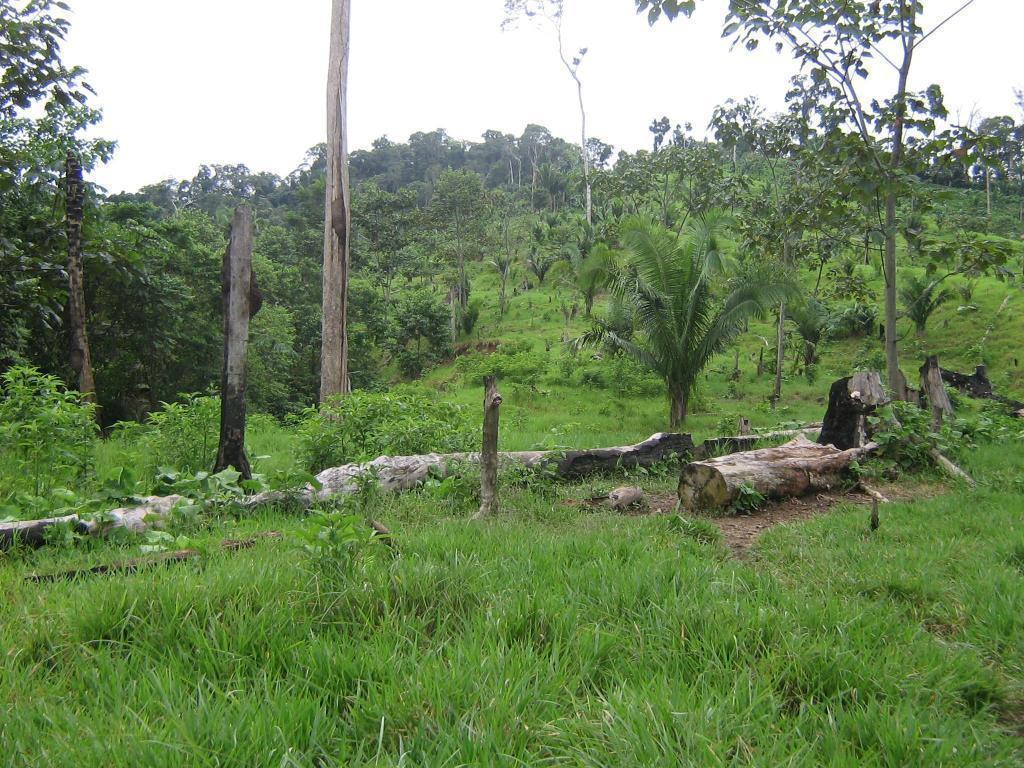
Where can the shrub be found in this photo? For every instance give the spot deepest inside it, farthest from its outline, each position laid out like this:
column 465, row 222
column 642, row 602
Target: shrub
column 853, row 321
column 184, row 435
column 46, row 436
column 518, row 365
column 365, row 425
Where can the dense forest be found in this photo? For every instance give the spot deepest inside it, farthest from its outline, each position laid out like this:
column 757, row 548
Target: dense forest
column 722, row 289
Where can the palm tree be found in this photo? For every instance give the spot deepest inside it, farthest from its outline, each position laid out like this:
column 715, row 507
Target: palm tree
column 667, row 284
column 920, row 300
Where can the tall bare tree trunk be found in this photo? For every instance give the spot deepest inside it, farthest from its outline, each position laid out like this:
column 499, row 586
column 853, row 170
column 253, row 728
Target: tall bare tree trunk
column 897, row 381
column 78, row 340
column 241, row 301
column 334, row 378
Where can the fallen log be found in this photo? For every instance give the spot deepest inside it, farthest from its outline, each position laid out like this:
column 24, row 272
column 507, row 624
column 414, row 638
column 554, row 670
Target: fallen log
column 149, row 514
column 392, row 473
column 978, row 386
column 794, row 469
column 718, row 446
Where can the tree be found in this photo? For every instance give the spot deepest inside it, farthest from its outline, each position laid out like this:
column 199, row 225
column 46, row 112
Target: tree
column 553, row 12
column 78, row 338
column 921, row 298
column 836, row 41
column 43, row 112
column 459, row 205
column 666, row 284
column 334, row 378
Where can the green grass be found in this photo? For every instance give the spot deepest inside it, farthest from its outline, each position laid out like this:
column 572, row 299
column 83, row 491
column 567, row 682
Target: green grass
column 549, row 635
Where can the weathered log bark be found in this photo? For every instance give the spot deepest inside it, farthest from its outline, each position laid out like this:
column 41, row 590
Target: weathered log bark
column 78, row 339
column 850, row 402
column 934, row 391
column 337, row 224
column 489, row 450
column 794, row 469
column 237, row 290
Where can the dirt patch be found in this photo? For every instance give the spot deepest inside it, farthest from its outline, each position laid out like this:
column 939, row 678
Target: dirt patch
column 740, row 532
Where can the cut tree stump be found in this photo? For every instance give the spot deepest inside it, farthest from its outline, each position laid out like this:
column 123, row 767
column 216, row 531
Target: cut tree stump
column 850, row 402
column 797, row 468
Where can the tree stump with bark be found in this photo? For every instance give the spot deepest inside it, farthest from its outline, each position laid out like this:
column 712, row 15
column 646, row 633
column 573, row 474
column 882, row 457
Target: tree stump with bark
column 934, row 392
column 850, row 402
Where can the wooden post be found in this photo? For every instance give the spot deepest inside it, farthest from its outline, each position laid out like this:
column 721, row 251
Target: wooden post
column 489, row 453
column 238, row 288
column 78, row 340
column 743, row 427
column 933, row 388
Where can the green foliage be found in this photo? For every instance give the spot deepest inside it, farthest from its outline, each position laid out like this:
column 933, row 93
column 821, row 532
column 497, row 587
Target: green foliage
column 853, row 321
column 508, row 363
column 365, row 425
column 701, row 530
column 666, row 285
column 748, row 500
column 184, row 435
column 47, row 434
column 921, row 297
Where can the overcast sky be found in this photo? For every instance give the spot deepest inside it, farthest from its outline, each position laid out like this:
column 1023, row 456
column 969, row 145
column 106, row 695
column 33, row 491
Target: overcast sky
column 242, row 81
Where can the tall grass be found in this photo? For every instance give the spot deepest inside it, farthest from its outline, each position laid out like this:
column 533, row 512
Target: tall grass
column 549, row 635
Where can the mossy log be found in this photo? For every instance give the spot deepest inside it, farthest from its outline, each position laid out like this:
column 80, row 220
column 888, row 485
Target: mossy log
column 795, row 469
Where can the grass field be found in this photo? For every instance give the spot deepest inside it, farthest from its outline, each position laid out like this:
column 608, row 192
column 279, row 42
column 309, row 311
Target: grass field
column 550, row 635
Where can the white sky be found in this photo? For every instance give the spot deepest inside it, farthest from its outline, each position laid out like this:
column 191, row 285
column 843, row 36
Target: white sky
column 242, row 81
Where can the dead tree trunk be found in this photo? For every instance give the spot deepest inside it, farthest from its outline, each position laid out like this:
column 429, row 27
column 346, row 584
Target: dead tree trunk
column 934, row 390
column 238, row 290
column 78, row 340
column 489, row 451
column 334, row 350
column 794, row 469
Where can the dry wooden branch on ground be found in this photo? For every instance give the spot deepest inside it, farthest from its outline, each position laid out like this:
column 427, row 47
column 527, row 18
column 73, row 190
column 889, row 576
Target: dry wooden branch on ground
column 794, row 469
column 135, row 563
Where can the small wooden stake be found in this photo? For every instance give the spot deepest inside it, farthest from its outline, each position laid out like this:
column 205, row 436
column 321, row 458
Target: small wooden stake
column 238, row 289
column 489, row 453
column 874, row 514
